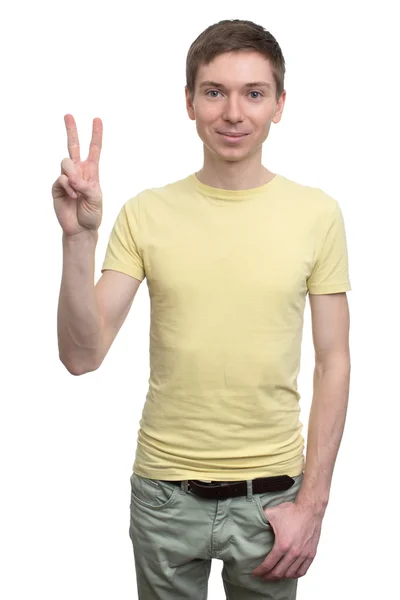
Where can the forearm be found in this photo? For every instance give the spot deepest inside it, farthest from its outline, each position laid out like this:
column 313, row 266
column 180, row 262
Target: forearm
column 325, row 430
column 78, row 319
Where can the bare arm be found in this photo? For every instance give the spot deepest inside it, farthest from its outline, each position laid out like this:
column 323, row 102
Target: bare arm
column 89, row 316
column 331, row 322
column 78, row 318
column 114, row 294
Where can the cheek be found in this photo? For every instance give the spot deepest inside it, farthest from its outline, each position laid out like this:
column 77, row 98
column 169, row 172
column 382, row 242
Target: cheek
column 209, row 119
column 202, row 130
column 205, row 126
column 261, row 126
column 208, row 113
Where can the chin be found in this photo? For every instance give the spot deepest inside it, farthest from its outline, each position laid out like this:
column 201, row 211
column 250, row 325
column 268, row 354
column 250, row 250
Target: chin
column 231, row 157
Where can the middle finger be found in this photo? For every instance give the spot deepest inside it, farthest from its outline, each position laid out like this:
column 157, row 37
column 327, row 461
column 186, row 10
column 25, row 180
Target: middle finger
column 73, row 140
column 95, row 144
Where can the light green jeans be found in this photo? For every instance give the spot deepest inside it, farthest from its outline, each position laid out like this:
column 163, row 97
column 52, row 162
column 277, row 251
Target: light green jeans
column 176, row 534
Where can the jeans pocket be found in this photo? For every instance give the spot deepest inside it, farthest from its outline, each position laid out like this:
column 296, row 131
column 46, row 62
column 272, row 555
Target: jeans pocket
column 152, row 493
column 260, row 509
column 269, row 499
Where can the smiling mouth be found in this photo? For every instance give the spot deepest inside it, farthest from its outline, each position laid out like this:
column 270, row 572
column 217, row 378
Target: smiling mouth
column 232, row 134
column 232, row 139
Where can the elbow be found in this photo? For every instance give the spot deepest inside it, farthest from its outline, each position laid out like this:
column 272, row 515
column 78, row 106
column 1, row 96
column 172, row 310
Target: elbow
column 78, row 369
column 333, row 359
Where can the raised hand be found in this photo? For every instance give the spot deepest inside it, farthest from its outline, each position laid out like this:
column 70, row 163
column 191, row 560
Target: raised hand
column 77, row 197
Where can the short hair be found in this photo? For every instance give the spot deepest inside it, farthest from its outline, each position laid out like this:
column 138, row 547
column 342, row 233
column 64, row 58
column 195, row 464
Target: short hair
column 234, row 35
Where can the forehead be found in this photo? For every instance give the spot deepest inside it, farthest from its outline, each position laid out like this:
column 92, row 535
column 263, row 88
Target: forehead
column 237, row 68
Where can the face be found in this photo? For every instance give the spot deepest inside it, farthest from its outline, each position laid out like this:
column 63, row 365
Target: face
column 231, row 106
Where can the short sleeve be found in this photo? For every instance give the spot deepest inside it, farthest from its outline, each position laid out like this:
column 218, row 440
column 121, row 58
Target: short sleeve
column 123, row 253
column 331, row 270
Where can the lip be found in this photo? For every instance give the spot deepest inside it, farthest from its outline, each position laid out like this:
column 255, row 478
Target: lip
column 232, row 133
column 232, row 137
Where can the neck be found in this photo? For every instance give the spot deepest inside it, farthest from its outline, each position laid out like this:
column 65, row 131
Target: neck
column 239, row 175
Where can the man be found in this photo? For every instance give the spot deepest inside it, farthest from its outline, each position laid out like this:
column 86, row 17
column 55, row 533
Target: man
column 229, row 254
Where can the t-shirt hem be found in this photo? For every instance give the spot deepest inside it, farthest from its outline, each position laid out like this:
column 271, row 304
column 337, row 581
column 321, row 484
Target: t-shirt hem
column 329, row 289
column 122, row 268
column 208, row 476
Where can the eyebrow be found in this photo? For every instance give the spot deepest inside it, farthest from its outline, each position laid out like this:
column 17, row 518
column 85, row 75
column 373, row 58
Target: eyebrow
column 246, row 85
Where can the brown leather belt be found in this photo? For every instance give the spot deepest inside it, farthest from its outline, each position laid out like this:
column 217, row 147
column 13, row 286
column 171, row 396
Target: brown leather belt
column 228, row 489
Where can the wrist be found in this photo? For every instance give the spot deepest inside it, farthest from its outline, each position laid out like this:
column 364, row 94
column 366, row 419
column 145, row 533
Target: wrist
column 314, row 507
column 87, row 236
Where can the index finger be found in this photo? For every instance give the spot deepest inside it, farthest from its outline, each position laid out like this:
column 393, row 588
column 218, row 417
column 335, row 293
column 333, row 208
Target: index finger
column 97, row 137
column 73, row 140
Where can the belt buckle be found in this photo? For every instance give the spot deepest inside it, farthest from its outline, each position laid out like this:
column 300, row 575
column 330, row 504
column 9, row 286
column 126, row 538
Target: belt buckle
column 215, row 485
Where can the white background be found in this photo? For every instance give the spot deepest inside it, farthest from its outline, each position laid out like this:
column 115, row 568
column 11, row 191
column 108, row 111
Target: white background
column 67, row 443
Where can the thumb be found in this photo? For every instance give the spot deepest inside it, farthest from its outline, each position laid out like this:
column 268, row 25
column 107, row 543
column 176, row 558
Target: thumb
column 78, row 184
column 270, row 511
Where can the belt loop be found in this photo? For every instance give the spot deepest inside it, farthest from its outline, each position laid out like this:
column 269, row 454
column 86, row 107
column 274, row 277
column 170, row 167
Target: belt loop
column 184, row 486
column 249, row 483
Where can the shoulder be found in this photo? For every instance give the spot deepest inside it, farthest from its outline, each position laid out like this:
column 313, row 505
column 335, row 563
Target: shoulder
column 162, row 195
column 310, row 198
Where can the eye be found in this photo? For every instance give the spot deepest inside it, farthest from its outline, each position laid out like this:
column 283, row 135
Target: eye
column 212, row 91
column 217, row 92
column 254, row 92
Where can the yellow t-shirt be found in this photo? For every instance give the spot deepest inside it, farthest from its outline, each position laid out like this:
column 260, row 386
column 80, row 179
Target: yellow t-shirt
column 227, row 272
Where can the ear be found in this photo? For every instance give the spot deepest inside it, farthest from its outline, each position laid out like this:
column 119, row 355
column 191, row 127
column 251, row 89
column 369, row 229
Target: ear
column 279, row 108
column 189, row 105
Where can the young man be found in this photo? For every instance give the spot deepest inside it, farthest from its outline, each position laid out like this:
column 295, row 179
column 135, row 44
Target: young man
column 229, row 254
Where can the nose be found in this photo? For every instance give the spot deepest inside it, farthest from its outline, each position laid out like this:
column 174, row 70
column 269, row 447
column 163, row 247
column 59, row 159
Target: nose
column 232, row 110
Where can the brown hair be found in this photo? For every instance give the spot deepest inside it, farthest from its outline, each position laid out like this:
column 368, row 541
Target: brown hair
column 233, row 35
